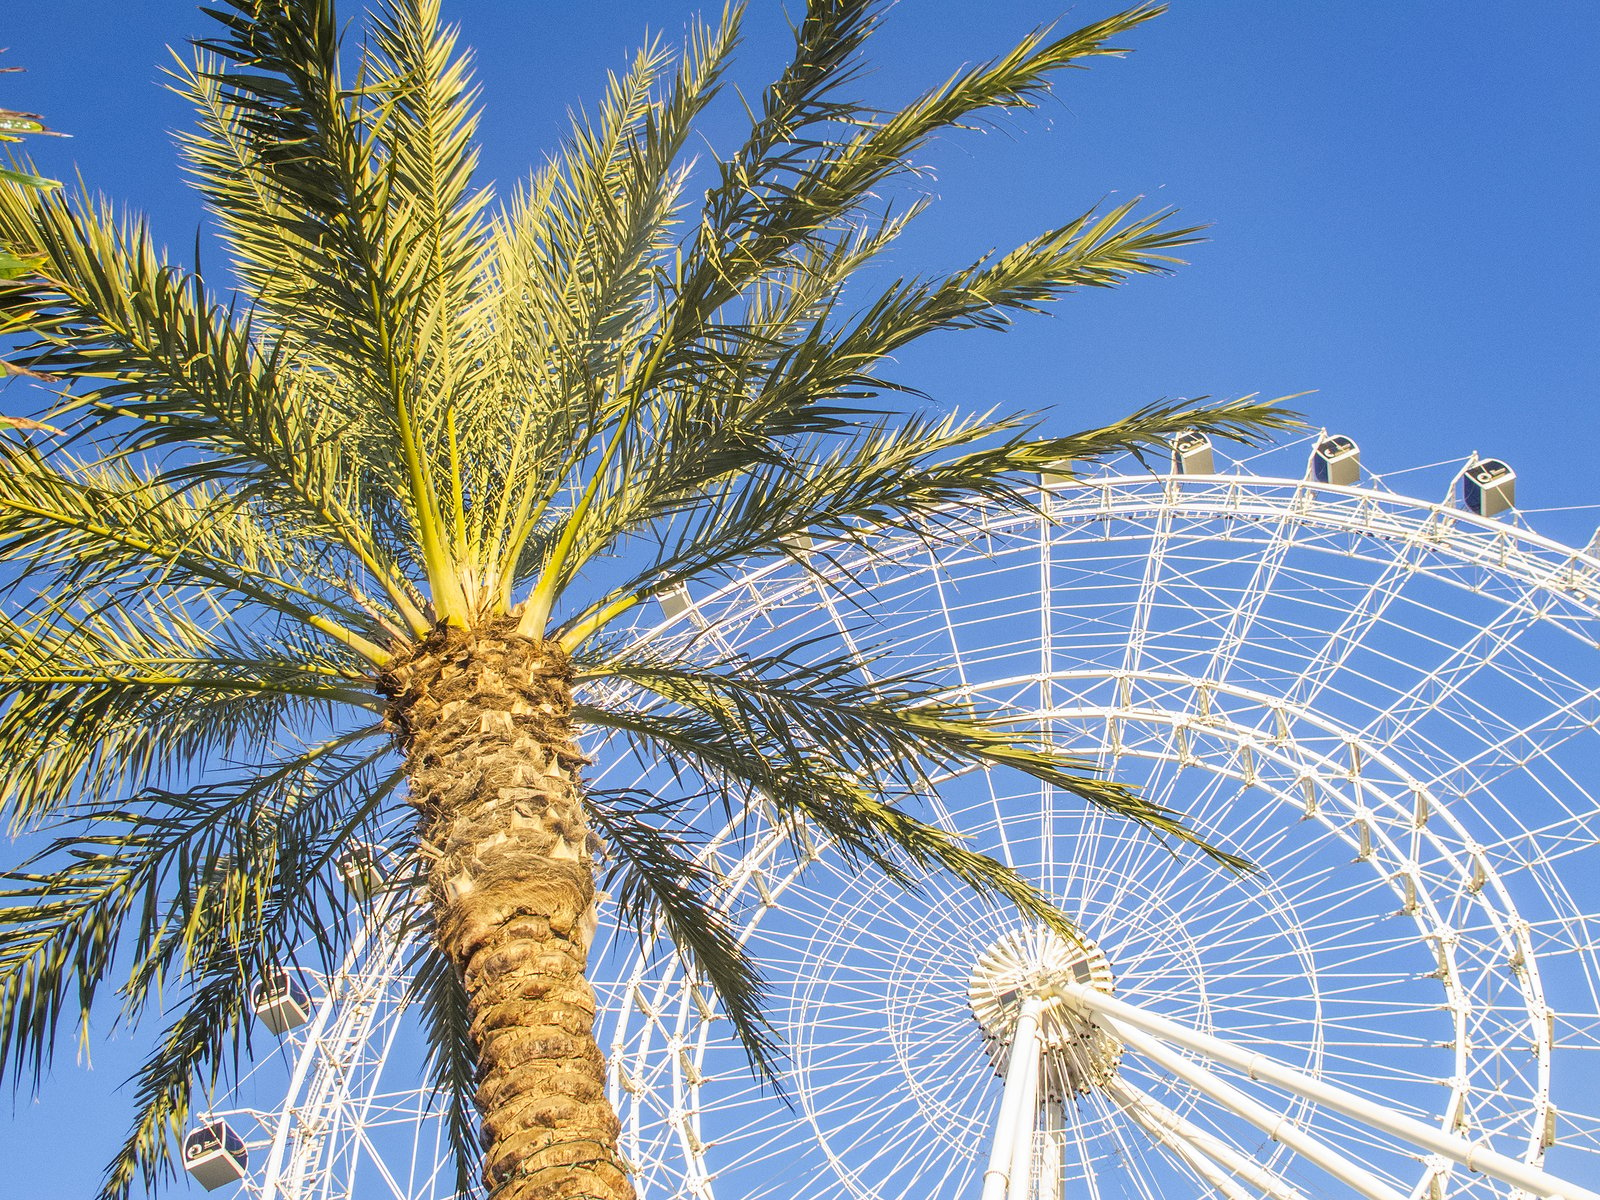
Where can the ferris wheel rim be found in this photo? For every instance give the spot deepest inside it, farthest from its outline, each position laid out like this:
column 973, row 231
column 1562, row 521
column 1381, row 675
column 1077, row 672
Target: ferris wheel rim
column 1450, row 519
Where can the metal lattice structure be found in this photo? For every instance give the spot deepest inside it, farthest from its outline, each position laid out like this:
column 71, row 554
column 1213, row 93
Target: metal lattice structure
column 1389, row 705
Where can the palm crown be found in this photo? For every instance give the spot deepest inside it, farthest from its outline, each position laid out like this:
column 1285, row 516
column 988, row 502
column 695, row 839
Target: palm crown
column 343, row 558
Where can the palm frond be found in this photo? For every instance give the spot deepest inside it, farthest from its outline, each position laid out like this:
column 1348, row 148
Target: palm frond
column 917, row 476
column 189, row 1056
column 98, row 703
column 275, row 76
column 662, row 884
column 572, row 285
column 363, row 232
column 425, row 124
column 900, row 729
column 733, row 393
column 168, row 879
column 370, row 225
column 1094, row 250
column 110, row 526
column 161, row 366
column 202, row 894
column 271, row 247
column 580, row 270
column 452, row 1063
column 804, row 788
column 744, row 410
column 735, row 241
column 868, row 485
column 788, row 185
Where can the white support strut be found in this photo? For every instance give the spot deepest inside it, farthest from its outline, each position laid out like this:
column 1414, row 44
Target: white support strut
column 1195, row 1145
column 1274, row 1124
column 1016, row 1121
column 1258, row 1066
column 1019, row 1179
column 1206, row 1169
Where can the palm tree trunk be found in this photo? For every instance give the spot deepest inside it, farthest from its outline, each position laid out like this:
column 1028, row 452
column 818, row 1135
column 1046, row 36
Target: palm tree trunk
column 485, row 718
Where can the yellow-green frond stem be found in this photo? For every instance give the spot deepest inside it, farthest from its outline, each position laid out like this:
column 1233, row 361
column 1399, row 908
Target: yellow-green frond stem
column 465, row 539
column 536, row 611
column 369, row 650
column 531, row 508
column 273, row 593
column 444, row 583
column 590, row 622
column 394, row 587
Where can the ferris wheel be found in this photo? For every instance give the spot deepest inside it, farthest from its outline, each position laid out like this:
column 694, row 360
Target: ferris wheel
column 1389, row 705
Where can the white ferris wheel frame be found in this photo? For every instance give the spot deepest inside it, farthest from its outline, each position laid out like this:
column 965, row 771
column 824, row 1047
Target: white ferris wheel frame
column 1369, row 799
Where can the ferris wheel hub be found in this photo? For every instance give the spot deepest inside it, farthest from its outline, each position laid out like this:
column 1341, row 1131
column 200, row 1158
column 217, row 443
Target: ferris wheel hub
column 1078, row 1056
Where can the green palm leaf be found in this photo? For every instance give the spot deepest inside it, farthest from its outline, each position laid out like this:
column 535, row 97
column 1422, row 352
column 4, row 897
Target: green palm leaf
column 663, row 886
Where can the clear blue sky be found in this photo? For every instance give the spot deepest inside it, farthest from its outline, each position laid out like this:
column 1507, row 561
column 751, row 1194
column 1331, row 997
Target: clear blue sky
column 1403, row 199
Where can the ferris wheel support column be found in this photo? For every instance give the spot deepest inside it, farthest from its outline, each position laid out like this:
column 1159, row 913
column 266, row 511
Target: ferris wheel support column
column 1127, row 1018
column 1205, row 1168
column 1018, row 1108
column 1275, row 1125
column 1203, row 1151
column 1052, row 1185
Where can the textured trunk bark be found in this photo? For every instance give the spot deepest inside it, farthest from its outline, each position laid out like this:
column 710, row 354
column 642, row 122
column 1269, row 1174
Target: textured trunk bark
column 485, row 718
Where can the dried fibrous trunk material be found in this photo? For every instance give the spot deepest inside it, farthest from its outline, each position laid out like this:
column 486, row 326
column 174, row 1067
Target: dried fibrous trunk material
column 484, row 716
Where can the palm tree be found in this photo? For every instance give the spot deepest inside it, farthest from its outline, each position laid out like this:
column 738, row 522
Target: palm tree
column 342, row 558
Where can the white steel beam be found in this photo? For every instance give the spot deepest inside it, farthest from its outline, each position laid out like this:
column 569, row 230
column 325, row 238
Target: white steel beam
column 1191, row 1142
column 1209, row 1172
column 1474, row 1157
column 1053, row 1165
column 1275, row 1125
column 1019, row 1180
column 1018, row 1102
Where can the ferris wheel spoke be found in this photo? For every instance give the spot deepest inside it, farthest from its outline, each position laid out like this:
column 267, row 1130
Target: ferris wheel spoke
column 1073, row 872
column 1256, row 594
column 907, row 1150
column 1339, row 902
column 1121, row 857
column 1354, row 627
column 1132, row 1156
column 1080, row 1142
column 1214, row 809
column 1139, row 623
column 1136, row 847
column 1329, row 1018
column 1536, row 740
column 1446, row 681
